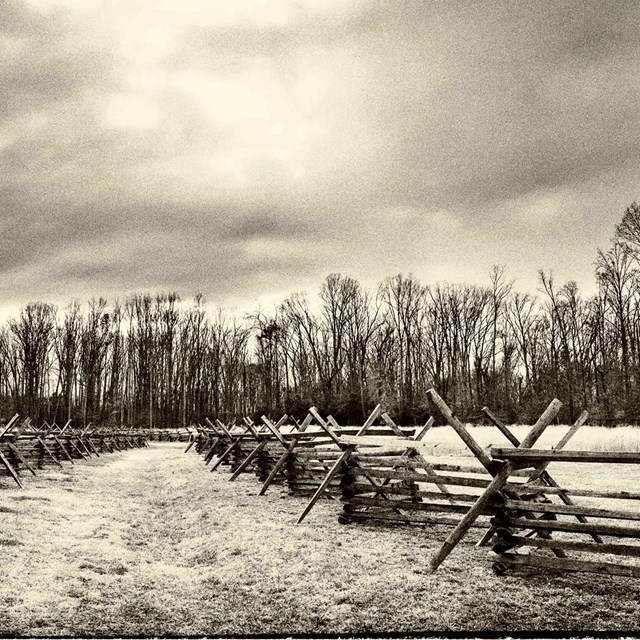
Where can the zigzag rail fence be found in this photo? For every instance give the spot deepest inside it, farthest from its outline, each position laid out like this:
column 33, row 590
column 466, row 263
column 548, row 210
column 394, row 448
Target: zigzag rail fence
column 24, row 447
column 389, row 477
column 537, row 523
column 384, row 473
column 396, row 481
column 532, row 519
column 307, row 456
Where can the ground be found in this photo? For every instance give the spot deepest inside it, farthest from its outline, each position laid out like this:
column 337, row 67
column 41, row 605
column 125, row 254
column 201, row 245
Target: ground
column 148, row 542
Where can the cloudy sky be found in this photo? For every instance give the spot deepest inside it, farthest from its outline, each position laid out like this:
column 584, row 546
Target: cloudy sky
column 245, row 148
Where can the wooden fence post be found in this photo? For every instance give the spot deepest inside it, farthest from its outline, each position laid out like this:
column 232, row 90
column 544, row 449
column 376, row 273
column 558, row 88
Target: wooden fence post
column 496, row 484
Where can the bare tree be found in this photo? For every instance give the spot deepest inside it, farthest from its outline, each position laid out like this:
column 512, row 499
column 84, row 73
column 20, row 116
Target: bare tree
column 33, row 332
column 67, row 345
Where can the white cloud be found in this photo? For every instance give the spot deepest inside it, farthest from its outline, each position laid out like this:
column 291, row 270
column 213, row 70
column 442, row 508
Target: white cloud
column 80, row 6
column 131, row 112
column 227, row 102
column 556, row 208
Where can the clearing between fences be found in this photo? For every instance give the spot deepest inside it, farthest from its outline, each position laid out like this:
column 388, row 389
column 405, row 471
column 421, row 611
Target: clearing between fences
column 148, row 542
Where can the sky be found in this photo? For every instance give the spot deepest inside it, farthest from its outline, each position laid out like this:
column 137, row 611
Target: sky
column 245, row 149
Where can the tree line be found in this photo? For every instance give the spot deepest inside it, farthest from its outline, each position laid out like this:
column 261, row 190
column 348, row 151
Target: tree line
column 154, row 360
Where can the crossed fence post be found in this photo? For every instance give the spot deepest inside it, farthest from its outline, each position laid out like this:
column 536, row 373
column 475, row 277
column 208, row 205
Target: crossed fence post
column 263, row 440
column 282, row 460
column 193, row 437
column 540, row 473
column 12, row 441
column 234, row 438
column 49, row 431
column 347, row 450
column 237, row 438
column 501, row 472
column 3, row 459
column 45, row 447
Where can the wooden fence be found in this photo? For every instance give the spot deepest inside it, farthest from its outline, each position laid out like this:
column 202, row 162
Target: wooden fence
column 25, row 448
column 387, row 474
column 308, row 456
column 171, row 434
column 395, row 480
column 530, row 531
column 537, row 523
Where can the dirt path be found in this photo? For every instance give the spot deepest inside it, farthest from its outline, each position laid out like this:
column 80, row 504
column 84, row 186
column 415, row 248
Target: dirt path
column 147, row 542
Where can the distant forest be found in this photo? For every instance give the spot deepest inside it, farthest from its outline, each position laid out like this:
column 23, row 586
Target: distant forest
column 155, row 361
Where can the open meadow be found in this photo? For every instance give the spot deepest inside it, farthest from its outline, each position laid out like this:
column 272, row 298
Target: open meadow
column 588, row 438
column 148, row 542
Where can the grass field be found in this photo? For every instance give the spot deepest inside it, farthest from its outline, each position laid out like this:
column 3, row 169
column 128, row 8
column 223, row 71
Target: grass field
column 147, row 542
column 447, row 442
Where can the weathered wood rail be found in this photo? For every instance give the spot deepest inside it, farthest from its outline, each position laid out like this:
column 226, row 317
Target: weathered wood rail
column 316, row 463
column 237, row 447
column 307, row 456
column 517, row 540
column 395, row 480
column 405, row 487
column 536, row 523
column 171, row 434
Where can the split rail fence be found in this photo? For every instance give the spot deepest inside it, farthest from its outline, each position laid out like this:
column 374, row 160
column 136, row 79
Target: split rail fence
column 536, row 526
column 25, row 448
column 384, row 473
column 170, row 434
column 307, row 456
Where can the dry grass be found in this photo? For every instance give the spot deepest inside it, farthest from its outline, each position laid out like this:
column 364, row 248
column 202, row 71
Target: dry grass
column 446, row 441
column 149, row 543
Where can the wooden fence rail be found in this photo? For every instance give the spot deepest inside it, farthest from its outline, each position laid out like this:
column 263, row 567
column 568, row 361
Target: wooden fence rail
column 298, row 454
column 171, row 434
column 395, row 480
column 517, row 537
column 538, row 524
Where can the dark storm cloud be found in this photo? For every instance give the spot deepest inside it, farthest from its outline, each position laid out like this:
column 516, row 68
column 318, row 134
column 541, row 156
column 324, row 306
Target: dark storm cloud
column 201, row 262
column 73, row 225
column 236, row 155
column 486, row 101
column 45, row 59
column 112, row 248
